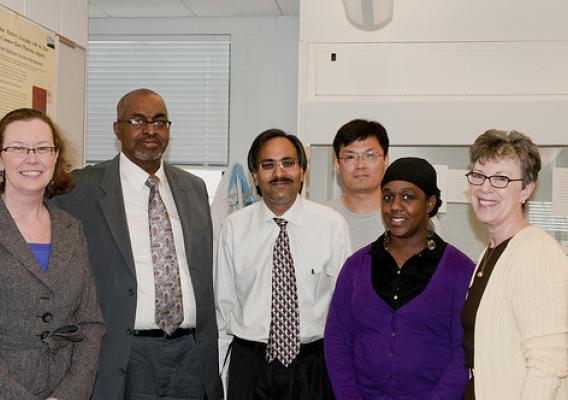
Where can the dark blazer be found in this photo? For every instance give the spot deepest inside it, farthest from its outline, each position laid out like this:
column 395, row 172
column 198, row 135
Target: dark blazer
column 51, row 327
column 98, row 202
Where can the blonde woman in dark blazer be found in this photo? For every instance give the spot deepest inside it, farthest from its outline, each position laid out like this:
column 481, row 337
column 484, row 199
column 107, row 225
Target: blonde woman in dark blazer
column 50, row 324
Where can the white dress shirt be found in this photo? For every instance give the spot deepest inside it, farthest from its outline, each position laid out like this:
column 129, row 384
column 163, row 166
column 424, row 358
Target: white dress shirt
column 319, row 243
column 135, row 192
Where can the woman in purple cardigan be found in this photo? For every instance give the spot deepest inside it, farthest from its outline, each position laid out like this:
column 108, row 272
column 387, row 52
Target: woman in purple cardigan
column 394, row 330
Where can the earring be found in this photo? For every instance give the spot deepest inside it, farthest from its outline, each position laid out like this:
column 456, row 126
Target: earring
column 430, row 243
column 386, row 240
column 2, row 177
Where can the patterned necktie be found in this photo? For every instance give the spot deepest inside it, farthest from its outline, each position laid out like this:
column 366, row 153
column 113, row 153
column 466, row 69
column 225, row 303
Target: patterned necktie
column 169, row 304
column 284, row 337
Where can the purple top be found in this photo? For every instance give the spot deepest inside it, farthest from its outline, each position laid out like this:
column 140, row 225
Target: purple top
column 373, row 352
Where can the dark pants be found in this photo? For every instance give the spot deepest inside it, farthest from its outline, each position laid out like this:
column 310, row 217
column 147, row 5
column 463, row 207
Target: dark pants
column 252, row 378
column 469, row 390
column 163, row 369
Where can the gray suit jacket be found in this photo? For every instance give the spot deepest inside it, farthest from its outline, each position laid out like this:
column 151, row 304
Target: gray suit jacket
column 98, row 202
column 50, row 324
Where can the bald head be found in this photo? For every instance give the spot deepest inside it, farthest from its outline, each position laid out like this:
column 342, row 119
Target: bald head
column 122, row 103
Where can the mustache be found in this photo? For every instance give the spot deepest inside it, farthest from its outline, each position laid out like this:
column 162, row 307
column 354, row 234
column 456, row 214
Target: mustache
column 150, row 139
column 283, row 179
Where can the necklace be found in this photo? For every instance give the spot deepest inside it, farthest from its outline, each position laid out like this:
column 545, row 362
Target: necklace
column 485, row 261
column 430, row 242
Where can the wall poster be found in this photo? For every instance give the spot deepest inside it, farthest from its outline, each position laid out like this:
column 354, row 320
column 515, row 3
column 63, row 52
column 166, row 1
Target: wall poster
column 28, row 64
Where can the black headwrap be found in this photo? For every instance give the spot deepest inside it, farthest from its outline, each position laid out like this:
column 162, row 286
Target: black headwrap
column 417, row 171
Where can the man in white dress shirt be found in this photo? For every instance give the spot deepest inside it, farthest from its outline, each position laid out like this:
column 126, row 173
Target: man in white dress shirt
column 246, row 275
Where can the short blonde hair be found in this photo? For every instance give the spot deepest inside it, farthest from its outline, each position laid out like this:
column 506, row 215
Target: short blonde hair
column 495, row 145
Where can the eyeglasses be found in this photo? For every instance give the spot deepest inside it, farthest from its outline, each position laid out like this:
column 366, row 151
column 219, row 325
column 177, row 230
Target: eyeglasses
column 370, row 157
column 140, row 123
column 23, row 150
column 497, row 181
column 285, row 163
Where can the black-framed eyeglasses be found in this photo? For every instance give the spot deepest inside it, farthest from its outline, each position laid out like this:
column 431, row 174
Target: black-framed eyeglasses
column 285, row 163
column 141, row 122
column 23, row 150
column 497, row 181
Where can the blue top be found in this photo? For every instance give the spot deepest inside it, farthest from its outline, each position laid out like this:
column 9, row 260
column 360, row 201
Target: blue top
column 414, row 352
column 41, row 251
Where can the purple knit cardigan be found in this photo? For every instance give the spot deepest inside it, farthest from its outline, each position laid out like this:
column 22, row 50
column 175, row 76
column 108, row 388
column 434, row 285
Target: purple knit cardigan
column 413, row 353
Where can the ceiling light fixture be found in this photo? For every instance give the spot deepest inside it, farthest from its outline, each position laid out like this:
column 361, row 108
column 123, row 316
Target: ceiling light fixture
column 369, row 15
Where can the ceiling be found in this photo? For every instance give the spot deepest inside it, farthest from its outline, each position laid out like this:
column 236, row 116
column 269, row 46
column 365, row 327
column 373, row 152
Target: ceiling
column 192, row 8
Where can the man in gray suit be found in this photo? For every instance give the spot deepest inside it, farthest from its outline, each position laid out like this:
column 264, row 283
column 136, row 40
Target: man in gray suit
column 143, row 357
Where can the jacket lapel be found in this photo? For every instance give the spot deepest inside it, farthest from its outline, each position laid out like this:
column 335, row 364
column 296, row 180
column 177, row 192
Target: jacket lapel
column 181, row 197
column 13, row 241
column 63, row 245
column 183, row 200
column 112, row 206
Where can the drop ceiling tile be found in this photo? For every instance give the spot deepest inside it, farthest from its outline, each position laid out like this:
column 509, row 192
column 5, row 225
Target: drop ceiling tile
column 143, row 8
column 233, row 8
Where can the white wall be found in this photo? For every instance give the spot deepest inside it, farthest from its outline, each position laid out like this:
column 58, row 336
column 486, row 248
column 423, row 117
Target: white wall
column 440, row 73
column 264, row 67
column 64, row 17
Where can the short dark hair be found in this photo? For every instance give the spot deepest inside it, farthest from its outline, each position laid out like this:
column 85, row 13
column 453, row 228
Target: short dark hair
column 265, row 137
column 62, row 181
column 262, row 138
column 360, row 129
column 495, row 145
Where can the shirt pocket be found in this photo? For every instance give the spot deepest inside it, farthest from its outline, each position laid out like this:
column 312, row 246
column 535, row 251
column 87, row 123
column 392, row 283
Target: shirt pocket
column 314, row 281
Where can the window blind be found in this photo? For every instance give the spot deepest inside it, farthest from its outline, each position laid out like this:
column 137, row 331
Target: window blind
column 190, row 72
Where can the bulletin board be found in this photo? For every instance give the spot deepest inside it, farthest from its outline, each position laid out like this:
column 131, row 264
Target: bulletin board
column 28, row 61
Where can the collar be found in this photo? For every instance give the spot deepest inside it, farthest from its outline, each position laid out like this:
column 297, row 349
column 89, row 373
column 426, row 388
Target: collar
column 135, row 175
column 378, row 249
column 293, row 215
column 344, row 208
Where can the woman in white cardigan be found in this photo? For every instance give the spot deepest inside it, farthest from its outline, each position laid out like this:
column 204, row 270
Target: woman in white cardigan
column 516, row 315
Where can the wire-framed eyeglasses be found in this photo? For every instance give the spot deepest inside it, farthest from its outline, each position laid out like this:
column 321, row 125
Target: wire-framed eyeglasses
column 141, row 122
column 285, row 163
column 21, row 151
column 370, row 157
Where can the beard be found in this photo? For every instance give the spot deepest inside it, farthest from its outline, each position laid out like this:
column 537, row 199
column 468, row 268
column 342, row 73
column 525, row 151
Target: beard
column 145, row 154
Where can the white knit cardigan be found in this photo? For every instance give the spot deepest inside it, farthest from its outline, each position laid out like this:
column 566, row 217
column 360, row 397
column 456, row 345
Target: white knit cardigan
column 521, row 328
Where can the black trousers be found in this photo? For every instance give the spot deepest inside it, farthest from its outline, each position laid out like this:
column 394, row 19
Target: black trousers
column 469, row 390
column 252, row 378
